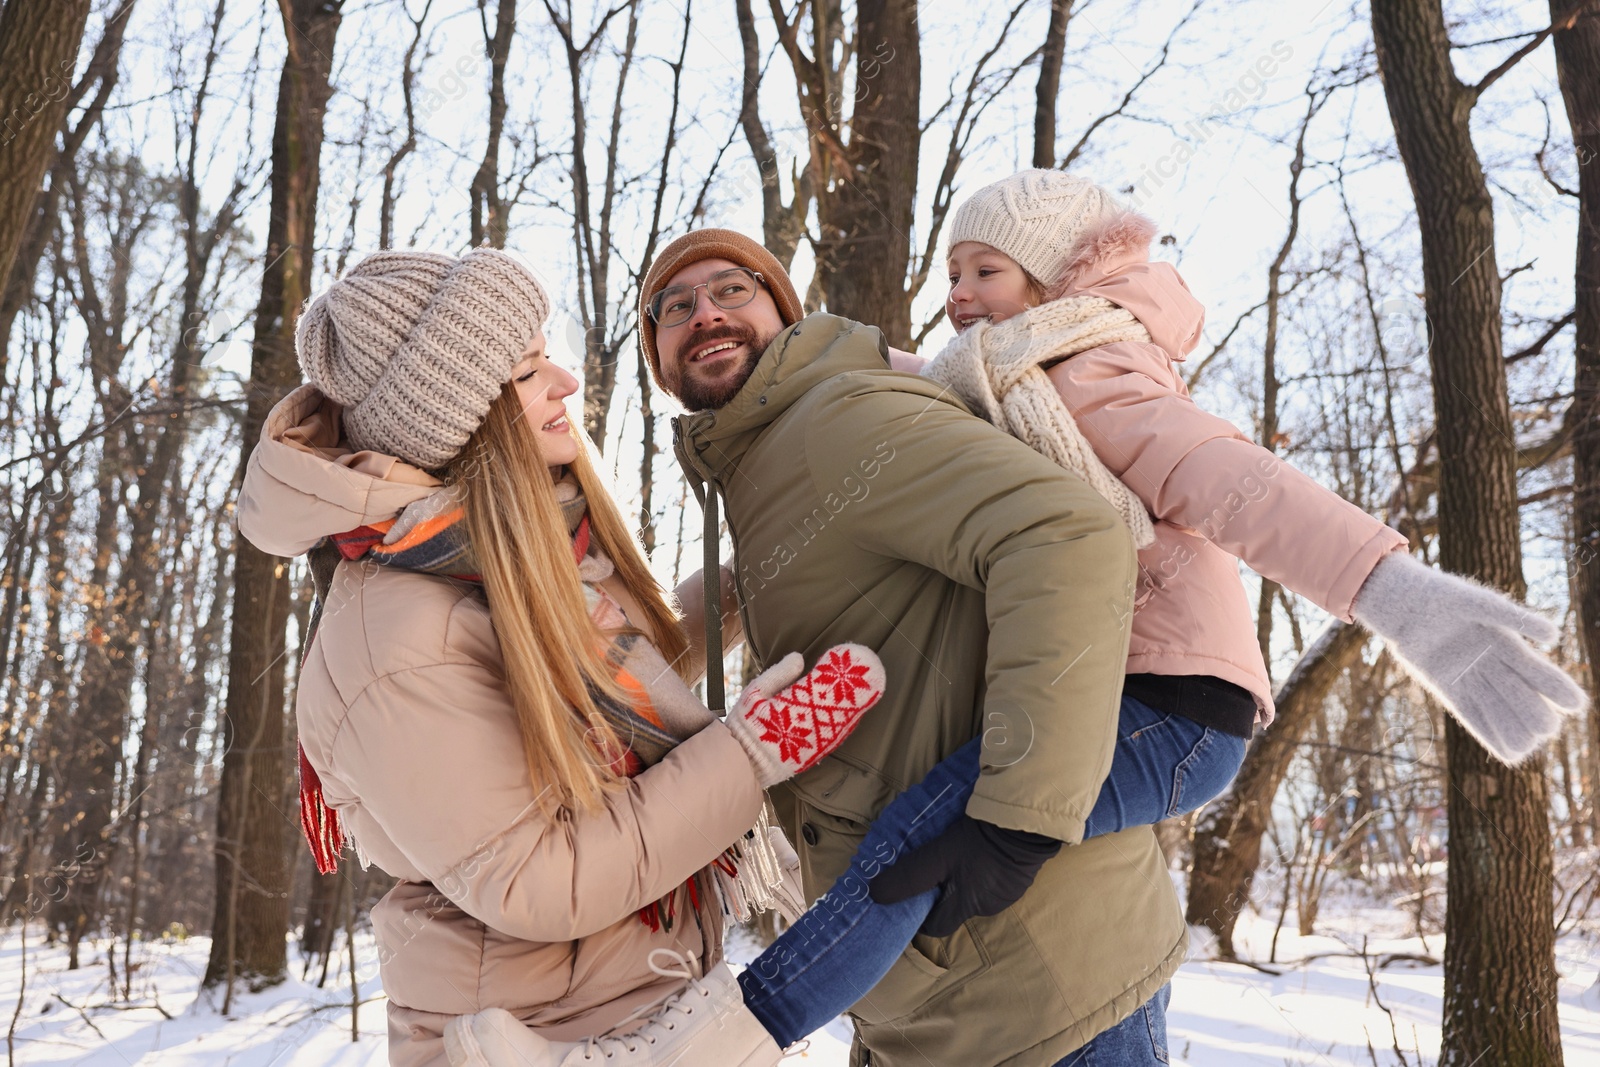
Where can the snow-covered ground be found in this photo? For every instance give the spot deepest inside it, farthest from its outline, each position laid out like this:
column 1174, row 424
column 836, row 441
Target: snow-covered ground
column 1319, row 1010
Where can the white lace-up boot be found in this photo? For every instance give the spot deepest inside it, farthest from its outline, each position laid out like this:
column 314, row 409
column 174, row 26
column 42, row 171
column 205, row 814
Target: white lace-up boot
column 704, row 1024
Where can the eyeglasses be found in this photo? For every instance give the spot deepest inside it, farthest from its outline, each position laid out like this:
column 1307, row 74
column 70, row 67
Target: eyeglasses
column 728, row 289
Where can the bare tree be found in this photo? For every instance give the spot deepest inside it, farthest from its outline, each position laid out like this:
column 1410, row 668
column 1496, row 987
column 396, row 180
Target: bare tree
column 408, row 144
column 1577, row 50
column 647, row 415
column 1227, row 842
column 866, row 176
column 201, row 238
column 1315, row 98
column 602, row 198
column 488, row 212
column 592, row 223
column 1499, row 963
column 101, row 76
column 1049, row 86
column 120, row 196
column 782, row 225
column 252, row 902
column 1227, row 838
column 38, row 51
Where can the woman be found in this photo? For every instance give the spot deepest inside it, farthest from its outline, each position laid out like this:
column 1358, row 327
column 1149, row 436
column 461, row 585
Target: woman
column 485, row 700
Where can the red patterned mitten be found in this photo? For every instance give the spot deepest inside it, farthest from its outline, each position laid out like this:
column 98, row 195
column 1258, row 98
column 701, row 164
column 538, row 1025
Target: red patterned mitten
column 791, row 729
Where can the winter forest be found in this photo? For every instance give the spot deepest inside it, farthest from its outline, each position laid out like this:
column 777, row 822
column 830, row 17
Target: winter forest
column 1389, row 208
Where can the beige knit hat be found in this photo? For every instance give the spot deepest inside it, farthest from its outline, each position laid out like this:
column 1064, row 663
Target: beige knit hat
column 1036, row 217
column 712, row 243
column 416, row 345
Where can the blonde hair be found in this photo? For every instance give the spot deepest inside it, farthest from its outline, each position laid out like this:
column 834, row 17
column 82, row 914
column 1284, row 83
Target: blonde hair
column 553, row 653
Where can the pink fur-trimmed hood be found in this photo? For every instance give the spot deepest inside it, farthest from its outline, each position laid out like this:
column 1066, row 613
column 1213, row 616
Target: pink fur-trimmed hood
column 1113, row 262
column 1123, row 237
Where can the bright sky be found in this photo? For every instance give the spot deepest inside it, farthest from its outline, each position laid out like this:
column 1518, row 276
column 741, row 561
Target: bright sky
column 1206, row 147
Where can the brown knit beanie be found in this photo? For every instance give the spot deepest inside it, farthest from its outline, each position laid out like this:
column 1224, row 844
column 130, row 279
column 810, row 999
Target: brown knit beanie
column 415, row 346
column 699, row 245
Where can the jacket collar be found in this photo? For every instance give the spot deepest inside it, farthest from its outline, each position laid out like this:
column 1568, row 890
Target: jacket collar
column 711, row 444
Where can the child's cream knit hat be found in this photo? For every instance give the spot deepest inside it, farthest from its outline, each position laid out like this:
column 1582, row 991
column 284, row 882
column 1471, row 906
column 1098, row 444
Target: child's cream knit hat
column 1035, row 217
column 416, row 345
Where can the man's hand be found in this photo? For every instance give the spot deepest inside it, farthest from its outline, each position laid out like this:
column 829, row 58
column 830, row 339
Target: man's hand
column 979, row 868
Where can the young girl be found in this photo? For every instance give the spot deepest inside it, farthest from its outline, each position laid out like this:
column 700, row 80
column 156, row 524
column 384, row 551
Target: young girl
column 1067, row 338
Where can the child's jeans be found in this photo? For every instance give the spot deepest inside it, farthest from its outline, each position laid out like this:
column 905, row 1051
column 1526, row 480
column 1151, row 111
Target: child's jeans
column 1164, row 765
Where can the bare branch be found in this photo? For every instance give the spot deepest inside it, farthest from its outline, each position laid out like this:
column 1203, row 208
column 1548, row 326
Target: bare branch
column 961, row 131
column 1537, row 345
column 1476, row 91
column 408, row 72
column 1127, row 98
column 1049, row 86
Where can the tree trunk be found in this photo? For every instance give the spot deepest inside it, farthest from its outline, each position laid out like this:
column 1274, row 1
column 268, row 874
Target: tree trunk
column 251, row 915
column 179, row 828
column 86, row 749
column 865, row 202
column 1049, row 87
column 591, row 223
column 106, row 696
column 1578, row 69
column 322, row 916
column 1227, row 839
column 488, row 217
column 38, row 51
column 102, row 73
column 43, row 712
column 782, row 225
column 1499, row 959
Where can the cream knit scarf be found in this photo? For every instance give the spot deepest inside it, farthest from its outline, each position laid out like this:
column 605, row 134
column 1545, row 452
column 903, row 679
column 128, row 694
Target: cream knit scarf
column 999, row 370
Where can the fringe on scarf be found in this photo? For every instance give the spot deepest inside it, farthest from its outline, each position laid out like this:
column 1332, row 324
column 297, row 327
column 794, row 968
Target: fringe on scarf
column 744, row 879
column 318, row 822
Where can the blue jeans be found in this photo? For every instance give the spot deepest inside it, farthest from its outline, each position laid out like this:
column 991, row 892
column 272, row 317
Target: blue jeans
column 1163, row 765
column 1140, row 1040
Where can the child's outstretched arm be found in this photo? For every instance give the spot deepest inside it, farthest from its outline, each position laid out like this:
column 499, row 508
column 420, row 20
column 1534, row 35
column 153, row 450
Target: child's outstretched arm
column 1195, row 470
column 1465, row 643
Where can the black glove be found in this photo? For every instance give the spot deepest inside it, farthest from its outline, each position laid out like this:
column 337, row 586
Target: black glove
column 980, row 868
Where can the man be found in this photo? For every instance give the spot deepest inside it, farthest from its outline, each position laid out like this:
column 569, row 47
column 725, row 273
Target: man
column 871, row 506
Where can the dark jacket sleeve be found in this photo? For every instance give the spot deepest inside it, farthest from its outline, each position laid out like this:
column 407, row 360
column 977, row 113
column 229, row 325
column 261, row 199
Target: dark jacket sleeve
column 1053, row 559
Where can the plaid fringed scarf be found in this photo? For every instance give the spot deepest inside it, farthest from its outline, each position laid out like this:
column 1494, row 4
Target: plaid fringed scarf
column 659, row 710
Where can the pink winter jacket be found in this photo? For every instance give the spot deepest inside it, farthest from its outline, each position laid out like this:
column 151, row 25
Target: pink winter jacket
column 1215, row 495
column 403, row 712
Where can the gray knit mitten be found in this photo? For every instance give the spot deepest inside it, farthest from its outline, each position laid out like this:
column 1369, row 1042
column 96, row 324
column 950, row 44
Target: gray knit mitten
column 1465, row 643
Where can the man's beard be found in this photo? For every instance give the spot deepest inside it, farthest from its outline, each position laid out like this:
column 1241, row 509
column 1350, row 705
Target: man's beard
column 707, row 393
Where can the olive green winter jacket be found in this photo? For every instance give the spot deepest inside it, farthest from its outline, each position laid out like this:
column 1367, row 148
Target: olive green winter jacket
column 868, row 505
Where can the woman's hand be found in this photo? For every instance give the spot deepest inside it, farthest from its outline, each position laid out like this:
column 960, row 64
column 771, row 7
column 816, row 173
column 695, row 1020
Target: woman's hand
column 787, row 726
